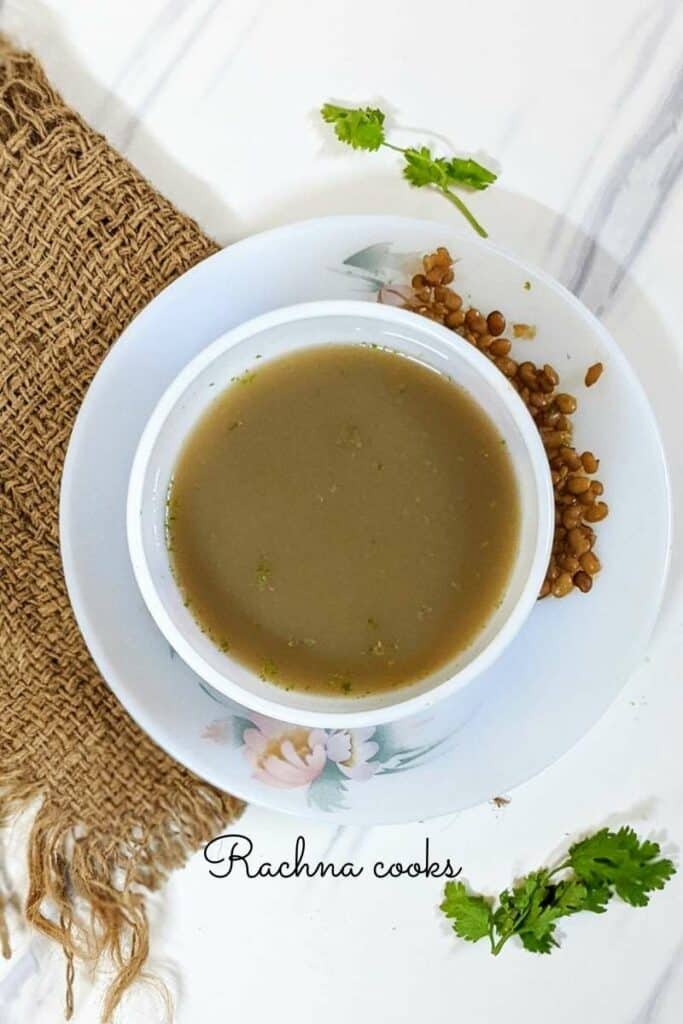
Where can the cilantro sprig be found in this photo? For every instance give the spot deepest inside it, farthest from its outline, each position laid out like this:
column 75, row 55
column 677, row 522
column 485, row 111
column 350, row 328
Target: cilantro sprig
column 595, row 869
column 363, row 128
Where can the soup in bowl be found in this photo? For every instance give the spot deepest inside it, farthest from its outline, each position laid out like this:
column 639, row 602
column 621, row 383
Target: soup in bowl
column 340, row 513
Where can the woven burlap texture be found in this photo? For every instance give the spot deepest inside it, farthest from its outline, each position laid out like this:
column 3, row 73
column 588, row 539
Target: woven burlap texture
column 85, row 243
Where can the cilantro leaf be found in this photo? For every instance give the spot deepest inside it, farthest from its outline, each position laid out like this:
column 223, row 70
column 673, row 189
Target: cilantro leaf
column 538, row 931
column 621, row 860
column 362, row 127
column 539, row 939
column 597, row 898
column 470, row 913
column 599, row 865
column 469, row 173
column 569, row 896
column 423, row 169
column 515, row 904
column 532, row 908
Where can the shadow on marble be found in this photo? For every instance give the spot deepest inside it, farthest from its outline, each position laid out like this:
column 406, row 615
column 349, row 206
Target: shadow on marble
column 637, row 816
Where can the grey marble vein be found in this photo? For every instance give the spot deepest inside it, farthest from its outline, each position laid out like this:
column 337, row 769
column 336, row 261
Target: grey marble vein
column 649, row 1012
column 357, row 840
column 632, row 199
column 332, row 842
column 238, row 42
column 661, row 17
column 160, row 26
column 181, row 51
column 11, row 985
column 630, row 202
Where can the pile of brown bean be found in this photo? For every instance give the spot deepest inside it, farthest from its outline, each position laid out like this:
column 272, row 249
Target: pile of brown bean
column 573, row 563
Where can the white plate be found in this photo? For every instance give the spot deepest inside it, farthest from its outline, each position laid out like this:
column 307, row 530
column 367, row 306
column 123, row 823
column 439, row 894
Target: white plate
column 550, row 686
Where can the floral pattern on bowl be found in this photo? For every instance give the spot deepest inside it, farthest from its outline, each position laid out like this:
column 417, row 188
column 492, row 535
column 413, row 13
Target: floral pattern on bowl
column 383, row 272
column 325, row 762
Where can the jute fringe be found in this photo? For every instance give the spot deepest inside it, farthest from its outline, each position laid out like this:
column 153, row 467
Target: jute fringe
column 85, row 242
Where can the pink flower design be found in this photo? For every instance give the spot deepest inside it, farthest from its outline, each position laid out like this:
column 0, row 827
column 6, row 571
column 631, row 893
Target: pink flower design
column 394, row 294
column 219, row 730
column 352, row 750
column 282, row 755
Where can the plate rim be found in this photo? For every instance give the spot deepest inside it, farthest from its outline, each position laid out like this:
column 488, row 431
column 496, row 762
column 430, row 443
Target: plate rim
column 77, row 438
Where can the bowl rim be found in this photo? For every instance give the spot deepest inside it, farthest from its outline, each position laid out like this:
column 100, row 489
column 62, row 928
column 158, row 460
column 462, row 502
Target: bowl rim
column 509, row 628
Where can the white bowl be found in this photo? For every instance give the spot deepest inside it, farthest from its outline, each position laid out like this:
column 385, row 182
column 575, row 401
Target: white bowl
column 272, row 335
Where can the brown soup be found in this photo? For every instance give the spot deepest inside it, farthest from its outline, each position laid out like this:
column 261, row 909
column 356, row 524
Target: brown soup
column 343, row 520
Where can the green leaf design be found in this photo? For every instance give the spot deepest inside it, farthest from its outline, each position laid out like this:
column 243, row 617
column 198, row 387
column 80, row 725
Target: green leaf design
column 383, row 736
column 215, row 695
column 328, row 791
column 395, row 758
column 240, row 726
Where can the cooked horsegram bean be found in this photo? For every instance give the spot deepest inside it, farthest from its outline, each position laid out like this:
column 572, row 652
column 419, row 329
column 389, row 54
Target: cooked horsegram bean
column 593, row 374
column 573, row 563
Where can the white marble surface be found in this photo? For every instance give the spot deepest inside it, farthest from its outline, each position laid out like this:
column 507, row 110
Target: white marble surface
column 580, row 106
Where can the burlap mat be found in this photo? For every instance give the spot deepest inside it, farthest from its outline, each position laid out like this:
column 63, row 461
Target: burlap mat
column 85, row 242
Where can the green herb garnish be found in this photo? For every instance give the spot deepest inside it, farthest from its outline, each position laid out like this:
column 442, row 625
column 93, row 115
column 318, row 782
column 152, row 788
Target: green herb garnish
column 350, row 437
column 307, row 641
column 263, row 574
column 596, row 868
column 360, row 127
column 268, row 670
column 342, row 681
column 363, row 128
